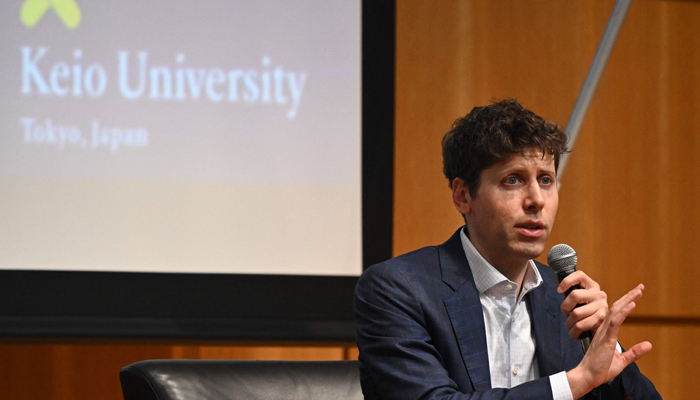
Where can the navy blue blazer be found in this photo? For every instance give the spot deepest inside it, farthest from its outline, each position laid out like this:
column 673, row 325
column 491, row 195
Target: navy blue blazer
column 421, row 334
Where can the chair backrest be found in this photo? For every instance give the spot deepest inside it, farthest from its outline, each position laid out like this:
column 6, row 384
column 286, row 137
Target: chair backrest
column 241, row 380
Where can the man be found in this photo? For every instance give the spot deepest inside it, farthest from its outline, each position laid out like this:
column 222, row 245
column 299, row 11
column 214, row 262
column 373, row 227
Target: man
column 475, row 317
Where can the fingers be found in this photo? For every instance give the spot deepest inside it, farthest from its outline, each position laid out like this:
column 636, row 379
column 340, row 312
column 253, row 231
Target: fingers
column 585, row 308
column 619, row 311
column 577, row 278
column 631, row 297
column 586, row 318
column 585, row 296
column 602, row 362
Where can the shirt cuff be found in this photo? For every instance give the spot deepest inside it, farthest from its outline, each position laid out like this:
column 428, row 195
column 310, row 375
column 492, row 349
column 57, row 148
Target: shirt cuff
column 560, row 386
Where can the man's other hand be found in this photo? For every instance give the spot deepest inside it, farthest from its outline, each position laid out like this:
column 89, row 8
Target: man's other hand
column 602, row 362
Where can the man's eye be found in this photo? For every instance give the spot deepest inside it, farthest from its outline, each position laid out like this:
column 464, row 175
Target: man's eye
column 511, row 180
column 546, row 180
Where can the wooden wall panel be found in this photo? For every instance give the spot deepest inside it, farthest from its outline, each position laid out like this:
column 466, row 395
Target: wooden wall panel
column 298, row 353
column 91, row 371
column 68, row 372
column 670, row 364
column 352, row 353
column 26, row 372
column 433, row 88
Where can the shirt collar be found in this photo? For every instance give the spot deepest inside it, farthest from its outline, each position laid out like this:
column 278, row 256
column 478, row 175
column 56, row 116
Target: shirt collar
column 487, row 276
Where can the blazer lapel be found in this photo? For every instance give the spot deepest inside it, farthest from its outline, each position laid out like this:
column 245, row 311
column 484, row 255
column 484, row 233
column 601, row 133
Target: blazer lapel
column 464, row 310
column 545, row 314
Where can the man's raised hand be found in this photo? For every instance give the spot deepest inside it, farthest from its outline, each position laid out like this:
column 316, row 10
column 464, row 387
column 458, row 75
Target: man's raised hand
column 602, row 362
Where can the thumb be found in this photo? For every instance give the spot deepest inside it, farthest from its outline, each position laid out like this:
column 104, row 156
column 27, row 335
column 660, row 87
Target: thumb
column 636, row 352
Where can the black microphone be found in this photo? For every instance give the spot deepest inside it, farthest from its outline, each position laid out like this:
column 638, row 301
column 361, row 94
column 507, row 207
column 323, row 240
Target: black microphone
column 562, row 260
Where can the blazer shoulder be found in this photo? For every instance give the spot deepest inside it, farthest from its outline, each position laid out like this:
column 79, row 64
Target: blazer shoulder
column 400, row 284
column 424, row 261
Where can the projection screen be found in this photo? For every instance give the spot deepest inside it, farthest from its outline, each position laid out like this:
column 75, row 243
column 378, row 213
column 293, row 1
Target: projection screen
column 168, row 147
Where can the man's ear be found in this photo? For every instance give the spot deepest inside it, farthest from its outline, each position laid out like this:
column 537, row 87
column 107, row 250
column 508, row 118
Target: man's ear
column 460, row 196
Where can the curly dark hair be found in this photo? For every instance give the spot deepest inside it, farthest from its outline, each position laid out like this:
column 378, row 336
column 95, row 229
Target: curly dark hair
column 493, row 133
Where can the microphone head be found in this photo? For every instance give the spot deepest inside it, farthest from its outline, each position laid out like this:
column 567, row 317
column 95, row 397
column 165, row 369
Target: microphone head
column 561, row 257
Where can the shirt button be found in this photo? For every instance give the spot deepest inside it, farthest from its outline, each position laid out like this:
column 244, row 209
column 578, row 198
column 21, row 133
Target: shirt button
column 513, row 319
column 509, row 286
column 515, row 370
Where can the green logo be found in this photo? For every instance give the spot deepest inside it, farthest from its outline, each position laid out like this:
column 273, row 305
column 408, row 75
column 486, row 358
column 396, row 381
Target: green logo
column 67, row 11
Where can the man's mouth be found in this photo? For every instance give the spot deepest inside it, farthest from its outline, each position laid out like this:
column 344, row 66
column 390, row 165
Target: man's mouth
column 531, row 229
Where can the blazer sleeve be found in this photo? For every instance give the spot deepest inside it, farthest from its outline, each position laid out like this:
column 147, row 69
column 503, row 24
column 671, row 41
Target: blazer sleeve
column 398, row 357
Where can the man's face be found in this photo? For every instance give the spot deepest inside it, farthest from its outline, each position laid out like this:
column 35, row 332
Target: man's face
column 512, row 214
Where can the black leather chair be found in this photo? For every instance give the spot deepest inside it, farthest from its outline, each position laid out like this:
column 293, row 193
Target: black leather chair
column 244, row 380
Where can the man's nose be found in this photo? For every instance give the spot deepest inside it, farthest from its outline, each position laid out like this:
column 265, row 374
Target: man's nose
column 534, row 198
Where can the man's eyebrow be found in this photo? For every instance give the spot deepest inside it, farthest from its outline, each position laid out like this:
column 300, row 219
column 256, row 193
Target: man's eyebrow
column 520, row 169
column 525, row 168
